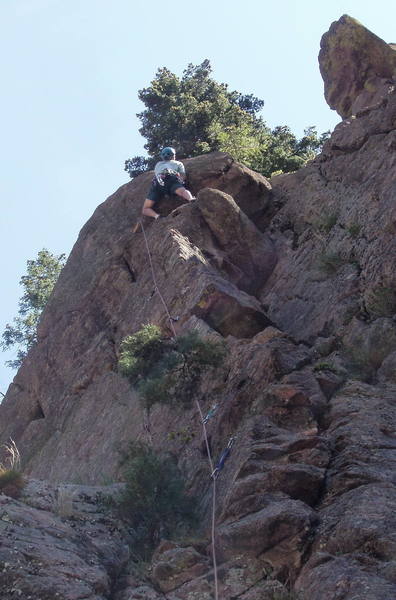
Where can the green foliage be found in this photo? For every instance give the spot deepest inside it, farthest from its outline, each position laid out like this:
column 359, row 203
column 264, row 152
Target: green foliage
column 38, row 283
column 361, row 363
column 382, row 302
column 154, row 502
column 330, row 262
column 11, row 482
column 199, row 352
column 327, row 222
column 184, row 435
column 139, row 352
column 156, row 390
column 8, row 476
column 325, row 366
column 196, row 114
column 136, row 165
column 167, row 370
column 354, row 230
column 280, row 151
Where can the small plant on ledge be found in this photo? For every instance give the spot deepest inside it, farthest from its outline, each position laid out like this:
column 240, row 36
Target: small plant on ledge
column 330, row 262
column 381, row 302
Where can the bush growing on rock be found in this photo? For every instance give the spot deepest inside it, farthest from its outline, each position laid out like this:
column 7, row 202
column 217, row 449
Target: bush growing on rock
column 327, row 222
column 382, row 302
column 354, row 230
column 167, row 370
column 11, row 483
column 330, row 262
column 140, row 352
column 154, row 502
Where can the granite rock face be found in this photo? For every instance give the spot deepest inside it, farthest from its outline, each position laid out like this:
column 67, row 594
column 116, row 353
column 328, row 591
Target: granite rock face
column 297, row 276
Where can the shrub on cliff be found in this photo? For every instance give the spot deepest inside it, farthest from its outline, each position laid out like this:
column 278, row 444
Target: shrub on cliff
column 167, row 370
column 154, row 502
column 140, row 352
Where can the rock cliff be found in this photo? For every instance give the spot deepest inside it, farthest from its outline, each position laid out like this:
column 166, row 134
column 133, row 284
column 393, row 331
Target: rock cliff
column 297, row 275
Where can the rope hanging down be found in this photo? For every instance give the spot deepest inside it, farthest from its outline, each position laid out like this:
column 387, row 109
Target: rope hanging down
column 155, row 281
column 203, row 422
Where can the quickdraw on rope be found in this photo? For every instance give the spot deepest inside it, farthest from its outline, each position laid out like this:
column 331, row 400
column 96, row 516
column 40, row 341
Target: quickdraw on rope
column 223, row 457
column 210, row 413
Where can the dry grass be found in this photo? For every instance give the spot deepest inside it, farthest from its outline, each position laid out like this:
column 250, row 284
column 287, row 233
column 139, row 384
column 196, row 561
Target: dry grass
column 13, row 458
column 64, row 502
column 11, row 480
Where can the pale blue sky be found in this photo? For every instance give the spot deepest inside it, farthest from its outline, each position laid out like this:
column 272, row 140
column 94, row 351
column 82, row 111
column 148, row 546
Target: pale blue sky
column 70, row 75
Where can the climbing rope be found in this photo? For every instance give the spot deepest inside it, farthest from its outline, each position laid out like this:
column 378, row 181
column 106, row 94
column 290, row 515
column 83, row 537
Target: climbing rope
column 213, row 529
column 147, row 426
column 155, row 281
column 214, row 470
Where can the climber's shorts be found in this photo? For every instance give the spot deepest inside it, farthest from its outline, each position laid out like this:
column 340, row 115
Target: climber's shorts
column 157, row 191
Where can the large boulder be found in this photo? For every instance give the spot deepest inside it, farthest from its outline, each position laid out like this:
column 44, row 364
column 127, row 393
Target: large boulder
column 358, row 68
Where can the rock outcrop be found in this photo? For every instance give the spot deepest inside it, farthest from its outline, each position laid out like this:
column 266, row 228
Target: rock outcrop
column 297, row 276
column 56, row 542
column 358, row 68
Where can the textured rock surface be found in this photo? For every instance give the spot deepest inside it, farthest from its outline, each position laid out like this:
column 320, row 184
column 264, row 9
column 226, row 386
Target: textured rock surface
column 298, row 276
column 353, row 553
column 46, row 555
column 358, row 68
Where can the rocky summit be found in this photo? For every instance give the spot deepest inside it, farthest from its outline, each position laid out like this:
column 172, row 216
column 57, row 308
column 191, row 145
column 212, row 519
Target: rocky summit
column 297, row 276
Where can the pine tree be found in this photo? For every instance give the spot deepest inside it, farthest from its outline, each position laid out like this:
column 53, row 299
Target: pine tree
column 196, row 114
column 38, row 283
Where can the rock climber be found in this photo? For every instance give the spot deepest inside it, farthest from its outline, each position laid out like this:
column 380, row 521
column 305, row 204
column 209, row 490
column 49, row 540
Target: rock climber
column 169, row 178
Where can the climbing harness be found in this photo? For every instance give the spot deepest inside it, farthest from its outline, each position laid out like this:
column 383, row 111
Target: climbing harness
column 223, row 457
column 160, row 177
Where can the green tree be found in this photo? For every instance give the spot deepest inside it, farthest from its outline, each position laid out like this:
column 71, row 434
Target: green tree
column 167, row 370
column 42, row 274
column 154, row 501
column 196, row 114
